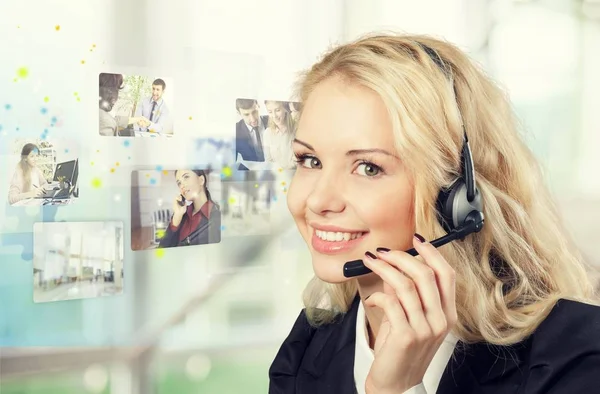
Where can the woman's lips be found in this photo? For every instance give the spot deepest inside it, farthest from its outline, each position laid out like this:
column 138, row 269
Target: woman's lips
column 335, row 247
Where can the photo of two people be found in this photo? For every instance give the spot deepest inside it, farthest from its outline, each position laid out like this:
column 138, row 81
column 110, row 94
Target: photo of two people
column 264, row 137
column 134, row 106
column 45, row 173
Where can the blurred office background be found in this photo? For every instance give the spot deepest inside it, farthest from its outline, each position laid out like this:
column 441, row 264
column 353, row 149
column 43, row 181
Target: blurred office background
column 219, row 333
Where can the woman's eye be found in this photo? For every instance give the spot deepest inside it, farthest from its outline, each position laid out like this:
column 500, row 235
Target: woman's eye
column 308, row 161
column 369, row 169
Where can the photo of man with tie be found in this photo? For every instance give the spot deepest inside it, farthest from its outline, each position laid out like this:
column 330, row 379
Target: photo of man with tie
column 249, row 132
column 155, row 110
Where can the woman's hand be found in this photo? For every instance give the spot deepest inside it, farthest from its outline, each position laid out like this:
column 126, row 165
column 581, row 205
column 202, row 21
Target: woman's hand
column 178, row 210
column 35, row 192
column 418, row 301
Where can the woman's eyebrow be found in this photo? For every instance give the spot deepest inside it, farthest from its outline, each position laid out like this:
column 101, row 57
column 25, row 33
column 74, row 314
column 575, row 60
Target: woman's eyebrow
column 352, row 152
column 306, row 144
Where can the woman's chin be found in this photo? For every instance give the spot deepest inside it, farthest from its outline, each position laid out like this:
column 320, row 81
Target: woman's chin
column 330, row 269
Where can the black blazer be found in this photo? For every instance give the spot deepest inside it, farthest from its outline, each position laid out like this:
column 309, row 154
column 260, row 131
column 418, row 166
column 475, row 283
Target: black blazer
column 243, row 142
column 561, row 356
column 207, row 232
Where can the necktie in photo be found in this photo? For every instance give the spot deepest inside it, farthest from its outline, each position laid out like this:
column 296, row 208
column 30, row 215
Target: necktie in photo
column 255, row 140
column 152, row 111
column 258, row 148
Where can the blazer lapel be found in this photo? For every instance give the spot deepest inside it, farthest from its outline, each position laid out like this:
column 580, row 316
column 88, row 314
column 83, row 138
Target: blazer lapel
column 317, row 360
column 477, row 368
column 328, row 365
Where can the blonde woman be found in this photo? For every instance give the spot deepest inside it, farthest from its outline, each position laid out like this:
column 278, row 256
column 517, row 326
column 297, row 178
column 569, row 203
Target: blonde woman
column 509, row 309
column 279, row 135
column 28, row 179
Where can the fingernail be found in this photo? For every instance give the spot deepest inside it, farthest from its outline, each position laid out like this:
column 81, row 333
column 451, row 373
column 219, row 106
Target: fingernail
column 371, row 255
column 419, row 237
column 383, row 250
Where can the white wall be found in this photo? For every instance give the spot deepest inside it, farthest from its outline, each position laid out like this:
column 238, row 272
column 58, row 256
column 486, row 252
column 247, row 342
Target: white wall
column 460, row 21
column 589, row 140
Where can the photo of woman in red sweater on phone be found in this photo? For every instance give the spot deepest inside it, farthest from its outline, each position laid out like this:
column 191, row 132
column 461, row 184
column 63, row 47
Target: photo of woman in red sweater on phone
column 196, row 217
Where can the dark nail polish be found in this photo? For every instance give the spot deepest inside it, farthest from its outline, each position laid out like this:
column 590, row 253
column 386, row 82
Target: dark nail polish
column 383, row 250
column 368, row 296
column 371, row 255
column 419, row 237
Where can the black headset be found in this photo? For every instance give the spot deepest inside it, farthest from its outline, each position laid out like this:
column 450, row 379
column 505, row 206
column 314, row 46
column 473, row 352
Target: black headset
column 459, row 206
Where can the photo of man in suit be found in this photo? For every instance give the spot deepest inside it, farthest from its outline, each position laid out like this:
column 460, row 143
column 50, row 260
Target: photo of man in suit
column 155, row 110
column 249, row 132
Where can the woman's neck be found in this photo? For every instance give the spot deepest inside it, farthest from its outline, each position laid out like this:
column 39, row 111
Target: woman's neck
column 367, row 285
column 199, row 201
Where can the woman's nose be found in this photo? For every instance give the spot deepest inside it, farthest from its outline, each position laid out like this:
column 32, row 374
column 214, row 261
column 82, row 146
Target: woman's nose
column 326, row 194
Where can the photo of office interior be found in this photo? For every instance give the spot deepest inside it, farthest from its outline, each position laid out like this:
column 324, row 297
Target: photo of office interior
column 44, row 172
column 75, row 260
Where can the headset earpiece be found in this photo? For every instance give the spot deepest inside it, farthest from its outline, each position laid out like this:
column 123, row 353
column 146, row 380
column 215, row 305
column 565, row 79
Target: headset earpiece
column 456, row 202
column 454, row 207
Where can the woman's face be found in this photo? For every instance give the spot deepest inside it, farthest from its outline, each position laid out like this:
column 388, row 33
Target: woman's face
column 32, row 158
column 350, row 193
column 276, row 113
column 190, row 184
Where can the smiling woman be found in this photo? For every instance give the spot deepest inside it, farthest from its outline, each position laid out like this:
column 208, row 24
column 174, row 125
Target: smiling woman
column 380, row 135
column 349, row 183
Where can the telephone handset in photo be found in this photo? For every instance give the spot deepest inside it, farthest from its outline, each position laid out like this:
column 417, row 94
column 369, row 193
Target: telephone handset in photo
column 182, row 201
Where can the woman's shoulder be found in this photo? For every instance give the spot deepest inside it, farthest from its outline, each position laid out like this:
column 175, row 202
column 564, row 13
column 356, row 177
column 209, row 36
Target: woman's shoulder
column 315, row 355
column 564, row 352
column 561, row 356
column 18, row 169
column 570, row 314
column 570, row 323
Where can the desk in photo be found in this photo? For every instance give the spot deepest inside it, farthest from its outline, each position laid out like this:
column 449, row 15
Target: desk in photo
column 141, row 238
column 147, row 134
column 32, row 202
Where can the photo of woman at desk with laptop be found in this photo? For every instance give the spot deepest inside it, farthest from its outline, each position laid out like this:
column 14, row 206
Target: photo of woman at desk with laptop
column 46, row 174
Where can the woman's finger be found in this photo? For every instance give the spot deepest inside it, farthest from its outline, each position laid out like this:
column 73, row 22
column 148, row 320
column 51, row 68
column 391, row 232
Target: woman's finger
column 405, row 291
column 392, row 309
column 425, row 279
column 445, row 275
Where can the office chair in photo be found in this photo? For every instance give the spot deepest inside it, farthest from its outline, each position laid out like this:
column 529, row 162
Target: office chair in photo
column 160, row 221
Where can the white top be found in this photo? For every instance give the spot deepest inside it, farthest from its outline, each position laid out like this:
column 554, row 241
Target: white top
column 278, row 148
column 17, row 184
column 364, row 356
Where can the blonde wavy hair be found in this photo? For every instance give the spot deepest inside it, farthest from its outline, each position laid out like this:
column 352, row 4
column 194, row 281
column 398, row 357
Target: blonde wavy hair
column 508, row 276
column 289, row 122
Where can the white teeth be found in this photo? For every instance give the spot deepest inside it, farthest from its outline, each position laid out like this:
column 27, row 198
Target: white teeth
column 336, row 236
